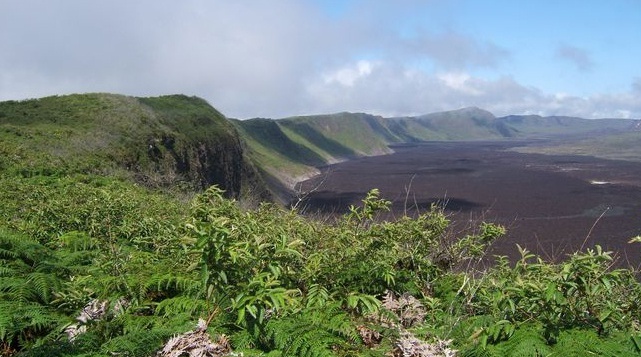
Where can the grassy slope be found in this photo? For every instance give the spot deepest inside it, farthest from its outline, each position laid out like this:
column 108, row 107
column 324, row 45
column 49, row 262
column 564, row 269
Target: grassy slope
column 462, row 124
column 156, row 141
column 342, row 135
column 292, row 148
column 532, row 125
column 281, row 161
column 617, row 139
column 623, row 146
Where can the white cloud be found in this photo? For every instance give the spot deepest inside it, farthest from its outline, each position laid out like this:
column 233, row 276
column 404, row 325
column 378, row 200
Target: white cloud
column 348, row 75
column 393, row 90
column 272, row 58
column 459, row 81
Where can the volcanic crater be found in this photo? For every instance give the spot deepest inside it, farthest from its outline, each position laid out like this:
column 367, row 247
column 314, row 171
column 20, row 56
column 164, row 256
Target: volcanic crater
column 551, row 204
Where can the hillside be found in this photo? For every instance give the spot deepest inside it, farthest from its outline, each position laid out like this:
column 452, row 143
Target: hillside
column 100, row 257
column 179, row 141
column 462, row 124
column 290, row 149
column 157, row 142
column 615, row 144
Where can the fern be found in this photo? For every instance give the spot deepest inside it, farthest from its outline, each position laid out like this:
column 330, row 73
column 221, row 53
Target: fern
column 141, row 343
column 180, row 305
column 6, row 271
column 139, row 335
column 317, row 295
column 243, row 340
column 172, row 281
column 43, row 285
column 313, row 332
column 20, row 321
column 7, row 253
column 16, row 247
column 526, row 341
column 579, row 342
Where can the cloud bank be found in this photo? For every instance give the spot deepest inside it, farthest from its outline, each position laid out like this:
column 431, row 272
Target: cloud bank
column 275, row 59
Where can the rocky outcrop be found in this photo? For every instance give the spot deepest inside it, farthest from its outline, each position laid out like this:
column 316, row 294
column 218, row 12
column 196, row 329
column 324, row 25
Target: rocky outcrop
column 218, row 160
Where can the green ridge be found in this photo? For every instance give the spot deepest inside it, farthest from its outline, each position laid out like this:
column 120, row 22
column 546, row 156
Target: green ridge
column 159, row 142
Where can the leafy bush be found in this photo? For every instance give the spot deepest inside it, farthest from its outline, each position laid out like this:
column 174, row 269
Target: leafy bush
column 272, row 282
column 583, row 292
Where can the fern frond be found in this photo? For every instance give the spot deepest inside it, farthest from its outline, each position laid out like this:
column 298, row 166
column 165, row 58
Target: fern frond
column 242, row 340
column 76, row 242
column 6, row 271
column 580, row 342
column 16, row 289
column 179, row 305
column 141, row 343
column 13, row 246
column 317, row 295
column 20, row 320
column 312, row 332
column 172, row 281
column 526, row 341
column 43, row 285
column 8, row 254
column 478, row 351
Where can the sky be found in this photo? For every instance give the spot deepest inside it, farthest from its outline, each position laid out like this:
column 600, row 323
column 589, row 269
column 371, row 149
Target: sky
column 280, row 58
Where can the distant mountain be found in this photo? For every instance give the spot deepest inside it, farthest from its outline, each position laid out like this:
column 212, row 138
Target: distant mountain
column 463, row 124
column 534, row 125
column 290, row 149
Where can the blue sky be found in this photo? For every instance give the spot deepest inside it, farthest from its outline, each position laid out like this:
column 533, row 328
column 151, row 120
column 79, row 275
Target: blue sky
column 277, row 58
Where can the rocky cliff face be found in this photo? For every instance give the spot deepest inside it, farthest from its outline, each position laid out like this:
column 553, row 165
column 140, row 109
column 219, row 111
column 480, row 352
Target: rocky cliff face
column 197, row 145
column 215, row 161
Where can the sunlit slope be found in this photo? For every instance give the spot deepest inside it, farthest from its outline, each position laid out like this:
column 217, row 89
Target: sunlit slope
column 536, row 126
column 462, row 124
column 292, row 148
column 620, row 146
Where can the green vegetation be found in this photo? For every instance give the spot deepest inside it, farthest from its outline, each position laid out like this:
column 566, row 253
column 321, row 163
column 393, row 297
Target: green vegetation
column 622, row 146
column 158, row 142
column 275, row 283
column 537, row 126
column 293, row 147
column 95, row 261
column 290, row 149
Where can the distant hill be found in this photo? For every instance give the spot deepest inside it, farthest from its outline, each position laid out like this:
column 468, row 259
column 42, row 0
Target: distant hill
column 462, row 124
column 290, row 149
column 537, row 126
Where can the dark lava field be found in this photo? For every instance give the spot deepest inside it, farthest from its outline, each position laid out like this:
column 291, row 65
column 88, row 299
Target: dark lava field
column 552, row 205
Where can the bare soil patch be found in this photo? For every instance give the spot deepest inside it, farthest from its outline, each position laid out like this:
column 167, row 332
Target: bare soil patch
column 551, row 204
